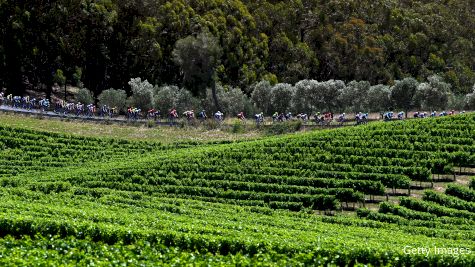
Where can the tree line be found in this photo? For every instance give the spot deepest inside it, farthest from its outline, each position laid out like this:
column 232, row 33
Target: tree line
column 306, row 96
column 100, row 44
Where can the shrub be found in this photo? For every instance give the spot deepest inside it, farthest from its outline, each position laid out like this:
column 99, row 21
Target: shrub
column 470, row 100
column 167, row 97
column 234, row 101
column 301, row 99
column 237, row 127
column 280, row 97
column 354, row 96
column 378, row 98
column 113, row 98
column 151, row 123
column 261, row 95
column 284, row 127
column 210, row 124
column 85, row 96
column 432, row 95
column 142, row 94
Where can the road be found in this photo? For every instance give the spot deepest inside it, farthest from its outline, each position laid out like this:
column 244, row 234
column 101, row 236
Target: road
column 124, row 120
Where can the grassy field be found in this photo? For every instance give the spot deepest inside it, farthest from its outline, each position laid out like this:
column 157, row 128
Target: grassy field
column 139, row 132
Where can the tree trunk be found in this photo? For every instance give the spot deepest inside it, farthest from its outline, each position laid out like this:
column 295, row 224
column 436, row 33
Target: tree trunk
column 215, row 95
column 49, row 89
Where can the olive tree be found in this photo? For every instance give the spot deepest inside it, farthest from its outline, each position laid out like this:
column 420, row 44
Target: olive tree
column 142, row 94
column 433, row 94
column 280, row 98
column 301, row 101
column 378, row 98
column 260, row 96
column 323, row 96
column 85, row 96
column 353, row 96
column 402, row 93
column 234, row 101
column 470, row 100
column 167, row 97
column 456, row 102
column 113, row 98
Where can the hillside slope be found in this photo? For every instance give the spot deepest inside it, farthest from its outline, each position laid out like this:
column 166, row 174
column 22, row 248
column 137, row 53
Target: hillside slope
column 239, row 203
column 105, row 43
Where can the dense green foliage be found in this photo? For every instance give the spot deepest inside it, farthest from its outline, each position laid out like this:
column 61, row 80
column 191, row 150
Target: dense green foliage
column 236, row 202
column 102, row 44
column 435, row 210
